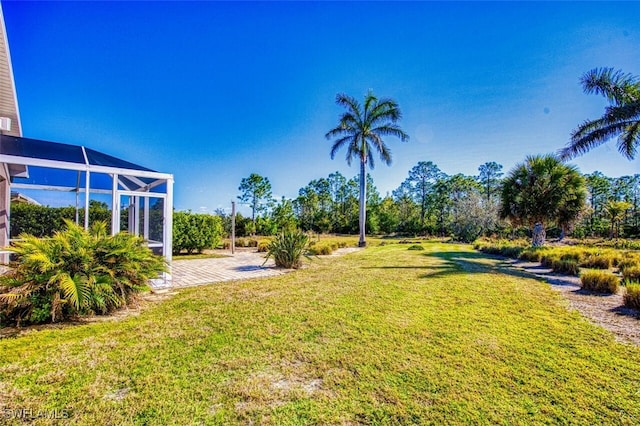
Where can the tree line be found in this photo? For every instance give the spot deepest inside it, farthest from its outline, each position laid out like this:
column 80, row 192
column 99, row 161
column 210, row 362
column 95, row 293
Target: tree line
column 431, row 202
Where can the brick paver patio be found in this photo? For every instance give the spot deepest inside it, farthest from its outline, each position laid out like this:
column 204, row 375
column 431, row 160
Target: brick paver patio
column 239, row 266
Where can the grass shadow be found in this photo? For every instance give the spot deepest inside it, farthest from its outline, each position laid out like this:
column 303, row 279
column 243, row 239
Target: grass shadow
column 478, row 262
column 625, row 311
column 456, row 262
column 592, row 293
column 249, row 268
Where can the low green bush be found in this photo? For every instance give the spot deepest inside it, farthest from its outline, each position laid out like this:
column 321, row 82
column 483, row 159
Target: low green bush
column 75, row 272
column 632, row 296
column 600, row 281
column 568, row 267
column 416, row 247
column 194, row 232
column 287, row 249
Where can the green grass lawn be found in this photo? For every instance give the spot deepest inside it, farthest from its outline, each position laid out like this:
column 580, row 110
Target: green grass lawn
column 383, row 336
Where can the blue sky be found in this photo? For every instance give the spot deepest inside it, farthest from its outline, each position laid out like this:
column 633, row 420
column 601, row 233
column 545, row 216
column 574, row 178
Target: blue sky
column 214, row 91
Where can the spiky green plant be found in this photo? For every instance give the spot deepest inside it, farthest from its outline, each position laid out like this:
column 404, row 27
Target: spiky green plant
column 287, row 249
column 75, row 272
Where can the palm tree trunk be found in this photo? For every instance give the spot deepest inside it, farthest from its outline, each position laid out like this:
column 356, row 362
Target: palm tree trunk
column 539, row 235
column 363, row 204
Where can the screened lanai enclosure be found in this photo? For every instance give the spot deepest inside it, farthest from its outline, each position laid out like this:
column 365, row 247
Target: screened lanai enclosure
column 140, row 199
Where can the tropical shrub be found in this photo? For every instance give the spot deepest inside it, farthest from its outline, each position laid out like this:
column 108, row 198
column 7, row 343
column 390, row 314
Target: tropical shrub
column 600, row 281
column 632, row 296
column 195, row 232
column 75, row 272
column 287, row 249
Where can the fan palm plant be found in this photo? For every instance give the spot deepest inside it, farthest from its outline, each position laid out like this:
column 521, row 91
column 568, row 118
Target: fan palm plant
column 361, row 130
column 540, row 191
column 621, row 117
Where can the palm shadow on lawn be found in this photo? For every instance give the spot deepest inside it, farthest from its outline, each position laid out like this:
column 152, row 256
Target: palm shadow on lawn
column 457, row 263
column 472, row 262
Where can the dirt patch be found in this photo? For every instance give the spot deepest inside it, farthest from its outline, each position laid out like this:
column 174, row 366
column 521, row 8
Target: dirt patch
column 607, row 311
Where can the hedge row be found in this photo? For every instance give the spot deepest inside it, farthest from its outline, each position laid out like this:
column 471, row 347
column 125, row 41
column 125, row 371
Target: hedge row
column 193, row 232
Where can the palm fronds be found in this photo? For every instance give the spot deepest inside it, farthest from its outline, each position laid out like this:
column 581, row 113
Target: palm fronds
column 621, row 119
column 361, row 129
column 75, row 272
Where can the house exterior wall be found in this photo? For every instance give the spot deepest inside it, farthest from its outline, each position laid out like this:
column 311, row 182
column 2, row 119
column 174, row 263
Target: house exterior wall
column 8, row 96
column 5, row 204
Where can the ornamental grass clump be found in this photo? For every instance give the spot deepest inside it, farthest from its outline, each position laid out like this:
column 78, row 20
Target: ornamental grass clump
column 322, row 249
column 287, row 249
column 628, row 262
column 631, row 273
column 600, row 282
column 568, row 266
column 547, row 259
column 598, row 261
column 75, row 272
column 632, row 296
column 532, row 254
column 511, row 249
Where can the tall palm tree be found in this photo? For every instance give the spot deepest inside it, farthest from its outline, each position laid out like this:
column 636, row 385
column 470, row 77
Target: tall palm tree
column 621, row 118
column 361, row 129
column 540, row 191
